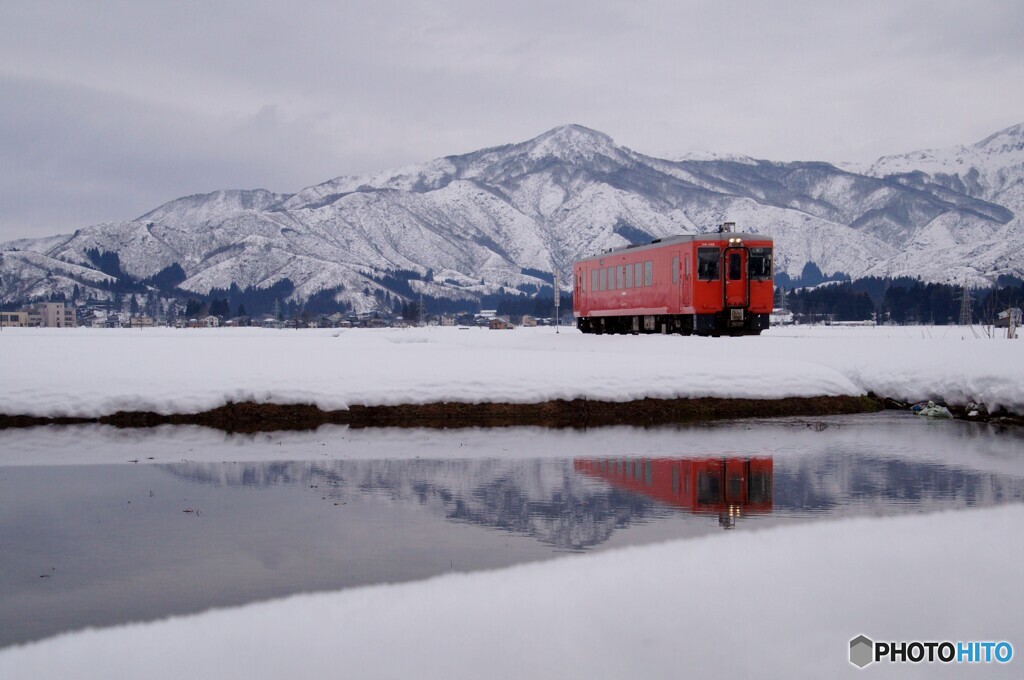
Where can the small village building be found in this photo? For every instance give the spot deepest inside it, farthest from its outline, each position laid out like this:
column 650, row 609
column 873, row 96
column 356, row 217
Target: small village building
column 529, row 321
column 500, row 323
column 1009, row 317
column 51, row 315
column 13, row 319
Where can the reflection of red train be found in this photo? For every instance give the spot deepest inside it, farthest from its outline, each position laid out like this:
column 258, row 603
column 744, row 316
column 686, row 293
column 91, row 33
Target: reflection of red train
column 707, row 284
column 728, row 487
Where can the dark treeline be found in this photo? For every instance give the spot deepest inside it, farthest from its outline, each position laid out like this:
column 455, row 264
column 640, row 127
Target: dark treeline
column 887, row 300
column 540, row 306
column 903, row 301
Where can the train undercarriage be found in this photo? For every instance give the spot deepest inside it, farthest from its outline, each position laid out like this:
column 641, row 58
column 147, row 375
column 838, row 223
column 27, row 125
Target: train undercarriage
column 734, row 322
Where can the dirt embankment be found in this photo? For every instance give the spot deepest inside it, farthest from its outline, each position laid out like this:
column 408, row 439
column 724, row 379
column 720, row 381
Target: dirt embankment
column 252, row 417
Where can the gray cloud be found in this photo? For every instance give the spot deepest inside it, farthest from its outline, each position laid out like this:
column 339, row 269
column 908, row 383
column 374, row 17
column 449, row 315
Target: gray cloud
column 109, row 109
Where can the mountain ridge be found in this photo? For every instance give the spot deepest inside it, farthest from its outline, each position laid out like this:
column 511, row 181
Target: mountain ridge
column 478, row 221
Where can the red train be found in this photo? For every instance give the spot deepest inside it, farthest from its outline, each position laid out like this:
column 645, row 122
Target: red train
column 728, row 487
column 708, row 284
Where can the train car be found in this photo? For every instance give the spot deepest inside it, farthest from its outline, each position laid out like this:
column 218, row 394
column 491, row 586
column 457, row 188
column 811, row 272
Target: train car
column 707, row 284
column 727, row 487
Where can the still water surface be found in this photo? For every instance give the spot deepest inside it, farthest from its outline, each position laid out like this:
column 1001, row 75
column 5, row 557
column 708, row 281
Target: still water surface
column 100, row 526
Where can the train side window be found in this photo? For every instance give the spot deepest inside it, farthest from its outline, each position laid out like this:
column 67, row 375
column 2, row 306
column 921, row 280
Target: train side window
column 629, row 276
column 593, row 280
column 620, row 277
column 604, row 278
column 638, row 273
column 675, row 480
column 686, row 266
column 759, row 263
column 675, row 269
column 735, row 267
column 648, row 473
column 707, row 264
column 648, row 272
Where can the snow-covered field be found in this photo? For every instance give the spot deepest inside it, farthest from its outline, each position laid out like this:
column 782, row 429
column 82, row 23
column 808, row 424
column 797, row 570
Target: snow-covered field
column 95, row 372
column 777, row 603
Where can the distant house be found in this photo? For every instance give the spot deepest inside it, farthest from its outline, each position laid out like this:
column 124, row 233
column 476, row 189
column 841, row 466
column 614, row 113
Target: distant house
column 209, row 322
column 1008, row 317
column 142, row 321
column 93, row 319
column 488, row 313
column 529, row 321
column 500, row 323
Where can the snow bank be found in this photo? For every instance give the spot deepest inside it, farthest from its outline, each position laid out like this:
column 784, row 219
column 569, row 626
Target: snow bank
column 93, row 372
column 778, row 603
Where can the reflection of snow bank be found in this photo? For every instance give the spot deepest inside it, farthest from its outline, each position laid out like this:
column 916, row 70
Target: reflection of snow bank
column 776, row 603
column 890, row 434
column 87, row 372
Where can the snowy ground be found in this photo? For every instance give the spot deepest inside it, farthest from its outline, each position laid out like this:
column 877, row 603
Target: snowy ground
column 655, row 611
column 95, row 372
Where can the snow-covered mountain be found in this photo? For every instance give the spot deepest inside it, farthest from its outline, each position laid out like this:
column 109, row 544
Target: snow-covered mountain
column 501, row 216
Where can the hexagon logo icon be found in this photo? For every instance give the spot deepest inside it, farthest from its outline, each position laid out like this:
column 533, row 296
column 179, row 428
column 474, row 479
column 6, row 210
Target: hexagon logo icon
column 862, row 651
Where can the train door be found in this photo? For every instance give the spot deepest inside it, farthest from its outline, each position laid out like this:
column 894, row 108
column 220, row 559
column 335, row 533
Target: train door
column 676, row 302
column 686, row 287
column 735, row 481
column 578, row 293
column 737, row 292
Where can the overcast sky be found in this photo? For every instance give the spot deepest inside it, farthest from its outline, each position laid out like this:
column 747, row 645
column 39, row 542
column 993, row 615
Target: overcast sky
column 108, row 109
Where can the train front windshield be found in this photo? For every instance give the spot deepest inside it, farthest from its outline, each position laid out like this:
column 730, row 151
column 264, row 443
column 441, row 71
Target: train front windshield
column 759, row 263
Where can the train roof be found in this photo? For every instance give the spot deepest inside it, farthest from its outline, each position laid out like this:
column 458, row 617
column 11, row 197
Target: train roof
column 681, row 238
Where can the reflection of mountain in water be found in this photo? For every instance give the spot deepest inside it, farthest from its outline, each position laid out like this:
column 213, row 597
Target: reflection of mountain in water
column 846, row 485
column 540, row 498
column 550, row 501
